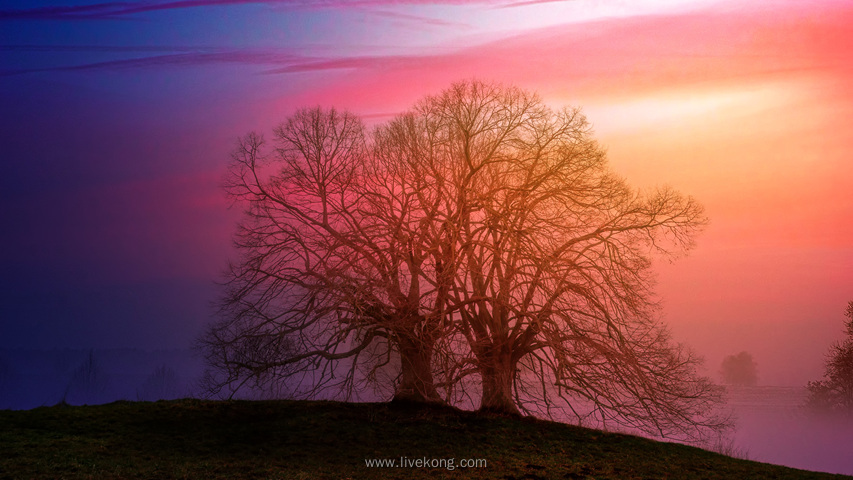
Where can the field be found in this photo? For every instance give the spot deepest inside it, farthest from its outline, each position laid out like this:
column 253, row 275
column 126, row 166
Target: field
column 308, row 440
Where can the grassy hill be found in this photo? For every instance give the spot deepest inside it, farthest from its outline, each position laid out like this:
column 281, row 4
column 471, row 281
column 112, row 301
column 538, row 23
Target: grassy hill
column 316, row 440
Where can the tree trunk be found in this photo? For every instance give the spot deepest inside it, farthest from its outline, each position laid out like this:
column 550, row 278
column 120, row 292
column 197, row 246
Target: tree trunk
column 497, row 370
column 416, row 381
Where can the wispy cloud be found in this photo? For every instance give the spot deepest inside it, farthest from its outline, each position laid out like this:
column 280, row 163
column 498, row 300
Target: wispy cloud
column 531, row 2
column 61, row 11
column 351, row 63
column 117, row 10
column 111, row 10
column 184, row 59
column 708, row 48
column 277, row 61
column 420, row 19
column 106, row 48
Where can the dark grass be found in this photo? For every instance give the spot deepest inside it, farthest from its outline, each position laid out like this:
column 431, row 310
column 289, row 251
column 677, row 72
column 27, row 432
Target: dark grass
column 317, row 440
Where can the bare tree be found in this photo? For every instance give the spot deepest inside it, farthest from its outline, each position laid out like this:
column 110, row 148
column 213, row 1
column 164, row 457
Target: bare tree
column 161, row 384
column 89, row 384
column 549, row 255
column 834, row 393
column 323, row 296
column 7, row 379
column 739, row 369
column 476, row 242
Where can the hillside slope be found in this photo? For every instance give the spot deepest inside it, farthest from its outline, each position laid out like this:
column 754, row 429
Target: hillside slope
column 315, row 440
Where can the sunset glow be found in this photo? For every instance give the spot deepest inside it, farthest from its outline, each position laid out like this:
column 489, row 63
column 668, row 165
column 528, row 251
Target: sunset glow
column 118, row 119
column 741, row 107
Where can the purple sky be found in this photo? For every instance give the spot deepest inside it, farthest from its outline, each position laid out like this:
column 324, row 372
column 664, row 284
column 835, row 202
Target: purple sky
column 118, row 119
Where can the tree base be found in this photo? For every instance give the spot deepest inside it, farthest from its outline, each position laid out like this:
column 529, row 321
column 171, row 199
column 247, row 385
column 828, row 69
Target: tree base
column 501, row 411
column 411, row 396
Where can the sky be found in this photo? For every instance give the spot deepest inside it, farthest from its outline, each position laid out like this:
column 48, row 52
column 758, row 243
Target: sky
column 117, row 120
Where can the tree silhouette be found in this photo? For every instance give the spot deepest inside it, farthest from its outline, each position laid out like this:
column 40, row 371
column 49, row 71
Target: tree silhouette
column 834, row 393
column 478, row 240
column 161, row 384
column 739, row 369
column 88, row 384
column 328, row 290
column 549, row 257
column 7, row 377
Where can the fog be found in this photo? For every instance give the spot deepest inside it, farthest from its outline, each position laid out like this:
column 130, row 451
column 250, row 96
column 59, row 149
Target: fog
column 771, row 425
column 37, row 378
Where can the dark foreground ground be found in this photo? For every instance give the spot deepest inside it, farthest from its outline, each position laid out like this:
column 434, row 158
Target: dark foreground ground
column 315, row 440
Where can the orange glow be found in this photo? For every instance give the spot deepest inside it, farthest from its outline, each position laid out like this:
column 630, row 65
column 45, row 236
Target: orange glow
column 744, row 107
column 747, row 111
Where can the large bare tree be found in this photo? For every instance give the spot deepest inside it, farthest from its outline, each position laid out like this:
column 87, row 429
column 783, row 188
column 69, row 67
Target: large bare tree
column 549, row 256
column 477, row 245
column 326, row 291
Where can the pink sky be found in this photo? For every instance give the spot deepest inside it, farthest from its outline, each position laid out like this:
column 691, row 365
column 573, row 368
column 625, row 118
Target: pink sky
column 745, row 108
column 744, row 105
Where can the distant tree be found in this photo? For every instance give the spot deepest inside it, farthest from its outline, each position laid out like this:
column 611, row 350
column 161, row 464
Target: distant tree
column 5, row 372
column 739, row 369
column 6, row 380
column 834, row 393
column 161, row 384
column 88, row 383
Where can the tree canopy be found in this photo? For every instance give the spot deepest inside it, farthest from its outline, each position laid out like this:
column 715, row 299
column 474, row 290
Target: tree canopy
column 477, row 247
column 739, row 369
column 834, row 393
